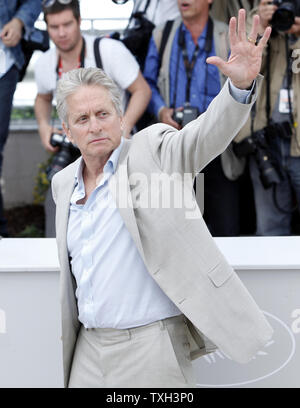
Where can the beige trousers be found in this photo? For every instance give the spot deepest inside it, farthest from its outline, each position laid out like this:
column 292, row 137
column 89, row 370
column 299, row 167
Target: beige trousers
column 155, row 355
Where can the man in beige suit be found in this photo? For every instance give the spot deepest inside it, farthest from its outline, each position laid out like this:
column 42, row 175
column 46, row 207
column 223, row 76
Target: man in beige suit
column 144, row 289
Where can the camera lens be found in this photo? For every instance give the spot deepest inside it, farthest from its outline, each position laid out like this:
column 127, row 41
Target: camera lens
column 284, row 17
column 67, row 154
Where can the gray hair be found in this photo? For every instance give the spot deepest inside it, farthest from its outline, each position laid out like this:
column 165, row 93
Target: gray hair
column 72, row 80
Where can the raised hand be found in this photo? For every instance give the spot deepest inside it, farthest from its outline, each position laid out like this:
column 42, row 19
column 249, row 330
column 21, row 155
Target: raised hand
column 244, row 62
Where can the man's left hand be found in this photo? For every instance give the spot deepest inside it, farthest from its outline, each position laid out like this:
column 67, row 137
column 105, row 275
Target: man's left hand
column 244, row 63
column 11, row 33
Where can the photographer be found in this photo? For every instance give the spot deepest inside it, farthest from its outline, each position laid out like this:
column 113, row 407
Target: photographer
column 73, row 50
column 183, row 85
column 156, row 11
column 146, row 14
column 272, row 137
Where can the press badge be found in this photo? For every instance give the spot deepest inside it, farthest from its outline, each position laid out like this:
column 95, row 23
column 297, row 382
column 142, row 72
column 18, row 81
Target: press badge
column 284, row 100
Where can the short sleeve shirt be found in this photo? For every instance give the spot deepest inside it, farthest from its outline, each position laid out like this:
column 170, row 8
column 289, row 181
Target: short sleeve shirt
column 118, row 63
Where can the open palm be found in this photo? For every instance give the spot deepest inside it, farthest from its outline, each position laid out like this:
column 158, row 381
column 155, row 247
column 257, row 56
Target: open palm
column 244, row 62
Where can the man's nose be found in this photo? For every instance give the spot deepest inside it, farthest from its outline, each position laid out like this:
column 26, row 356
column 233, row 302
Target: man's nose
column 95, row 125
column 61, row 31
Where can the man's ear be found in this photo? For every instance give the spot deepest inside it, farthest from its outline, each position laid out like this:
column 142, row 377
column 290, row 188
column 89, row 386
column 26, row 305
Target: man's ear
column 67, row 131
column 122, row 124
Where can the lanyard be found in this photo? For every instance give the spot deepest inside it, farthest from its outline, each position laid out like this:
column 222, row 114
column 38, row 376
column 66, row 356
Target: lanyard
column 59, row 68
column 189, row 66
column 289, row 74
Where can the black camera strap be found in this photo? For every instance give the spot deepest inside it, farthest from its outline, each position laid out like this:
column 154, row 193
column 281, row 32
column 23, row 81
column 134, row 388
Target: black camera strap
column 189, row 66
column 289, row 75
column 268, row 85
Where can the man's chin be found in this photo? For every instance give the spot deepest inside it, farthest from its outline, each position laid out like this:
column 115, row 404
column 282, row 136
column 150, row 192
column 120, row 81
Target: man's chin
column 65, row 48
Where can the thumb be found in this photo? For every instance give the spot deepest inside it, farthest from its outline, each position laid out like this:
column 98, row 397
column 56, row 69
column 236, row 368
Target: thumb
column 217, row 61
column 3, row 32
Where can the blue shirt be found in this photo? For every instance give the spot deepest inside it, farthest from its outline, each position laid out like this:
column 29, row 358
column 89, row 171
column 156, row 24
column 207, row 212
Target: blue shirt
column 114, row 288
column 25, row 10
column 197, row 94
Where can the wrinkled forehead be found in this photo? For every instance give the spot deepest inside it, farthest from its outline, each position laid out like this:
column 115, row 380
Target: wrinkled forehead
column 89, row 90
column 86, row 98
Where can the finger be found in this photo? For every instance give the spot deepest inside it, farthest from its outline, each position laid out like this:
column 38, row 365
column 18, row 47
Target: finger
column 264, row 40
column 56, row 130
column 172, row 122
column 175, row 125
column 168, row 119
column 4, row 33
column 255, row 27
column 242, row 25
column 51, row 149
column 7, row 42
column 8, row 35
column 218, row 62
column 293, row 30
column 232, row 32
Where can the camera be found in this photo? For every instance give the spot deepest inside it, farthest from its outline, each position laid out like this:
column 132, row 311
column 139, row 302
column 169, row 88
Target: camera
column 284, row 17
column 257, row 144
column 136, row 38
column 189, row 113
column 67, row 154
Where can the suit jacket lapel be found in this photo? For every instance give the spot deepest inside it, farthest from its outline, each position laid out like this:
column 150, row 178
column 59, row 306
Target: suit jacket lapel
column 64, row 206
column 120, row 190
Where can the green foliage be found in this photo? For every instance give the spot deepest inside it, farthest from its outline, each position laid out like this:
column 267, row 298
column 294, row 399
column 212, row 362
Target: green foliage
column 41, row 182
column 31, row 231
column 24, row 112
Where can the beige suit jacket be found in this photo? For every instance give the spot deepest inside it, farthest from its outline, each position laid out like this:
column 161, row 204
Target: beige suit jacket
column 179, row 252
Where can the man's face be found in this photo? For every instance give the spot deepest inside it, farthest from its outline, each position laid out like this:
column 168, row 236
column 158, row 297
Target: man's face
column 64, row 30
column 191, row 9
column 93, row 123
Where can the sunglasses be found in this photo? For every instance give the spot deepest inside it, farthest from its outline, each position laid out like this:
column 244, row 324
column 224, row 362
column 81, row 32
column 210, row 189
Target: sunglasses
column 120, row 1
column 49, row 3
